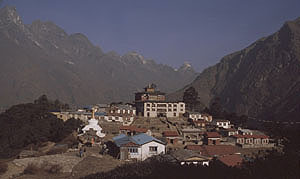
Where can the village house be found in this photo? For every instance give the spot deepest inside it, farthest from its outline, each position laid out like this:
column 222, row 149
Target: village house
column 121, row 110
column 66, row 115
column 138, row 147
column 245, row 131
column 227, row 154
column 101, row 107
column 133, row 130
column 151, row 103
column 229, row 132
column 171, row 136
column 207, row 117
column 195, row 116
column 212, row 138
column 193, row 135
column 200, row 123
column 253, row 141
column 198, row 116
column 221, row 123
column 189, row 157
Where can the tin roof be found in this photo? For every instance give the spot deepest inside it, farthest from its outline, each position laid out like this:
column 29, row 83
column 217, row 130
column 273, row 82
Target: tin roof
column 138, row 139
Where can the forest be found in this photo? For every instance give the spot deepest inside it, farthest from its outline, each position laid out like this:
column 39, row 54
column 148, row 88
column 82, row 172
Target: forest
column 32, row 124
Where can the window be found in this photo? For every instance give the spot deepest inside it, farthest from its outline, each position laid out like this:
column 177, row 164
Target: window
column 174, row 114
column 132, row 150
column 170, row 105
column 148, row 105
column 175, row 105
column 161, row 105
column 148, row 109
column 153, row 109
column 181, row 105
column 153, row 148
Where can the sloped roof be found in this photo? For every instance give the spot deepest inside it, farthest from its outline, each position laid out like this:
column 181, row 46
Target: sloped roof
column 185, row 155
column 143, row 138
column 170, row 134
column 138, row 139
column 121, row 140
column 213, row 135
column 231, row 160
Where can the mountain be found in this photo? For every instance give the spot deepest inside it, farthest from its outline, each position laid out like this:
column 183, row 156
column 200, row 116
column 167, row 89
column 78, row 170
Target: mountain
column 262, row 80
column 41, row 58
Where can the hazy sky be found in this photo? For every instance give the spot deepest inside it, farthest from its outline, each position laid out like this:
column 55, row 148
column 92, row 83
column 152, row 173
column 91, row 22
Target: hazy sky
column 168, row 31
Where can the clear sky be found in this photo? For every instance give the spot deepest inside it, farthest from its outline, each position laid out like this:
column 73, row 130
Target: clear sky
column 168, row 31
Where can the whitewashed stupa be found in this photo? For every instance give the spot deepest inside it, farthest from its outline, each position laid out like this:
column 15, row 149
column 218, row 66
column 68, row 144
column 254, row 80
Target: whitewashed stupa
column 93, row 124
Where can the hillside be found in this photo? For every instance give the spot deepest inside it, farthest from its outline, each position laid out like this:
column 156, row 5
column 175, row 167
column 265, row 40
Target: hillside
column 41, row 58
column 262, row 80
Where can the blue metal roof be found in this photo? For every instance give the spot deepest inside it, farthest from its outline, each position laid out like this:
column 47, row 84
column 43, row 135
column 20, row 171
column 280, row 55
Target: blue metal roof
column 139, row 139
column 121, row 140
column 143, row 138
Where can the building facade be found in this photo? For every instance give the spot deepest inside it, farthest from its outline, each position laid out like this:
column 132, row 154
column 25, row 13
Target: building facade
column 253, row 141
column 151, row 103
column 163, row 109
column 138, row 147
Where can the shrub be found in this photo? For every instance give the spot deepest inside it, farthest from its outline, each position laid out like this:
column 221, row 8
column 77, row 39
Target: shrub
column 31, row 169
column 53, row 169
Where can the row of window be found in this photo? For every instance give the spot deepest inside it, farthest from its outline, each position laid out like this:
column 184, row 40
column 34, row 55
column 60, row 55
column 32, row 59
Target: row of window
column 123, row 111
column 148, row 114
column 163, row 105
column 256, row 141
column 163, row 110
column 135, row 150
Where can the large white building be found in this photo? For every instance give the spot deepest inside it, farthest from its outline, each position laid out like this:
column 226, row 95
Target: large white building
column 139, row 147
column 163, row 109
column 151, row 103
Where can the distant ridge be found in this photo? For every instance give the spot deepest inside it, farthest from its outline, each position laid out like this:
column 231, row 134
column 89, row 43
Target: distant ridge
column 41, row 58
column 262, row 80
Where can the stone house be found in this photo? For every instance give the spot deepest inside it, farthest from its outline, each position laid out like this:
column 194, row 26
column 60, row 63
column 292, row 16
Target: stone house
column 212, row 138
column 171, row 136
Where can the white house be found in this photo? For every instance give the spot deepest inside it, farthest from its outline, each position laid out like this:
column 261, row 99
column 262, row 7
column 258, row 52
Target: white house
column 245, row 131
column 166, row 109
column 138, row 147
column 195, row 116
column 222, row 123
